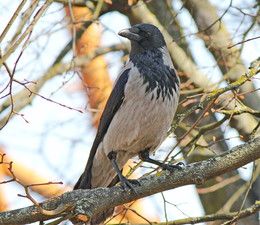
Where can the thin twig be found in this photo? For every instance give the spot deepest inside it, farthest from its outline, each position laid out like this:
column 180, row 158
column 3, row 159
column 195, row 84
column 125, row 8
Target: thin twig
column 11, row 21
column 58, row 210
column 241, row 42
column 28, row 30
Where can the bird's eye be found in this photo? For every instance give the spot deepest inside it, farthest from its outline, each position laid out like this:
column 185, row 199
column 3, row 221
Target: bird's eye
column 148, row 34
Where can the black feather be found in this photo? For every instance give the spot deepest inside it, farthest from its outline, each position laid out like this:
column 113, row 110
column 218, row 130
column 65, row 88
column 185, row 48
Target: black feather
column 113, row 104
column 155, row 73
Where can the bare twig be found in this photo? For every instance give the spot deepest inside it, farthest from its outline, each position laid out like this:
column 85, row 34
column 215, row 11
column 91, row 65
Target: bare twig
column 215, row 217
column 239, row 192
column 219, row 185
column 244, row 199
column 138, row 214
column 207, row 102
column 241, row 42
column 25, row 18
column 11, row 21
column 28, row 30
column 58, row 68
column 26, row 188
column 47, row 99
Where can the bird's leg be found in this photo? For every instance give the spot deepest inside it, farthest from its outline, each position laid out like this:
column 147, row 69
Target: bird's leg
column 144, row 156
column 124, row 181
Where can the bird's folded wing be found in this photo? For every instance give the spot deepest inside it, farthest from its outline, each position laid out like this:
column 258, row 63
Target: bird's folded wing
column 113, row 104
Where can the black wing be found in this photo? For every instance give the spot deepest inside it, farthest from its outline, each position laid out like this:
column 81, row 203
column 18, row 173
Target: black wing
column 113, row 104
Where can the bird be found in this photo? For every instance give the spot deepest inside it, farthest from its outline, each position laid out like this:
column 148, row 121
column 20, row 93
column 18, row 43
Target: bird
column 137, row 115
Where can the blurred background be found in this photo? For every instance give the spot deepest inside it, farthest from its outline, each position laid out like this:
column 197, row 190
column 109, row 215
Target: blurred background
column 58, row 63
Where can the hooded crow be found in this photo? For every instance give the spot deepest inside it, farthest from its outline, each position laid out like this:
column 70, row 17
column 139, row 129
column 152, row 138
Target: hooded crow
column 137, row 115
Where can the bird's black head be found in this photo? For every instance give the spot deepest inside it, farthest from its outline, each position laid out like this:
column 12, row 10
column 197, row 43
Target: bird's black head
column 143, row 37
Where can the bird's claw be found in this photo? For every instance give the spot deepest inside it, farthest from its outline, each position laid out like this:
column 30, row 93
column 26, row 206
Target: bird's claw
column 127, row 183
column 171, row 168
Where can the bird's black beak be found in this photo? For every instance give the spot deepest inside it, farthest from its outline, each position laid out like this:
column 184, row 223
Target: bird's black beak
column 131, row 33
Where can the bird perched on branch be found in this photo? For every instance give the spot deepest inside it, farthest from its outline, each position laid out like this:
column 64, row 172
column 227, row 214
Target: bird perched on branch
column 137, row 115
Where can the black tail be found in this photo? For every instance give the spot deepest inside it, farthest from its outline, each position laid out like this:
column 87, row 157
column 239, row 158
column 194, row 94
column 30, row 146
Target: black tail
column 76, row 186
column 100, row 218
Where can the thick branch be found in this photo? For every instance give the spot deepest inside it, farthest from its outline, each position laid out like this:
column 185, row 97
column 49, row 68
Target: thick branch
column 91, row 202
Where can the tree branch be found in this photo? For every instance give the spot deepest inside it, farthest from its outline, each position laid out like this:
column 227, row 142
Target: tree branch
column 92, row 202
column 213, row 217
column 23, row 97
column 27, row 32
